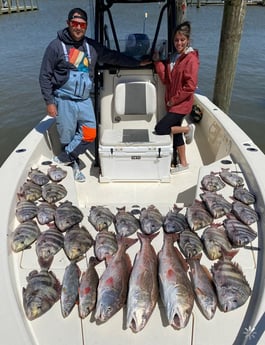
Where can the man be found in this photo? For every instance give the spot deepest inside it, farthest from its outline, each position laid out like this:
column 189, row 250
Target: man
column 66, row 78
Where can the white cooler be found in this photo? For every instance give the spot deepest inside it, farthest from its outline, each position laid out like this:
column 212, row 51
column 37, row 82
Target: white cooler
column 134, row 155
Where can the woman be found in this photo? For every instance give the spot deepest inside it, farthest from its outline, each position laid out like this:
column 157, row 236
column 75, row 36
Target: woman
column 180, row 76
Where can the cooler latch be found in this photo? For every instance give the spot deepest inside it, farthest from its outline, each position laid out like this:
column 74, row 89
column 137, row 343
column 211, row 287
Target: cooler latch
column 159, row 152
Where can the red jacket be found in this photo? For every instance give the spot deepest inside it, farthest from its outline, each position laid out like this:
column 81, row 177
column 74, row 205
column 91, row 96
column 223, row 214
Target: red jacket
column 181, row 82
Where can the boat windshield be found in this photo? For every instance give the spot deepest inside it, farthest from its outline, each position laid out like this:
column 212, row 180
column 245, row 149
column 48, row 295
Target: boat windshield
column 136, row 29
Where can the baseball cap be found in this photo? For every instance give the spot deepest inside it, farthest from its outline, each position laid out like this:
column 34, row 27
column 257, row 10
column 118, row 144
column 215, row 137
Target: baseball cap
column 77, row 13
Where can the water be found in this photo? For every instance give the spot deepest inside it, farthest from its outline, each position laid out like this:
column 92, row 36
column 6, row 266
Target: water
column 24, row 37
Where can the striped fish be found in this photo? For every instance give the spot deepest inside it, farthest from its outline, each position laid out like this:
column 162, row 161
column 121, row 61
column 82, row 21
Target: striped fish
column 232, row 287
column 216, row 204
column 49, row 243
column 197, row 216
column 42, row 292
column 244, row 195
column 56, row 173
column 105, row 244
column 67, row 215
column 151, row 220
column 53, row 192
column 239, row 233
column 212, row 182
column 231, row 178
column 245, row 213
column 77, row 241
column 45, row 212
column 30, row 191
column 25, row 210
column 38, row 177
column 175, row 221
column 190, row 243
column 24, row 235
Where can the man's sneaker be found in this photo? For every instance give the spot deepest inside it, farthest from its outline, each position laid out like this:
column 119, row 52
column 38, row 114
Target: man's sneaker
column 63, row 158
column 190, row 135
column 78, row 175
column 178, row 168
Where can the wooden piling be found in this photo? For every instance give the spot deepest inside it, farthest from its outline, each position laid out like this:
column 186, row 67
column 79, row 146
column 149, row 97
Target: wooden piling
column 232, row 26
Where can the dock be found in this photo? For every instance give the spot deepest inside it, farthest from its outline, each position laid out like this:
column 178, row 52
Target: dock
column 15, row 6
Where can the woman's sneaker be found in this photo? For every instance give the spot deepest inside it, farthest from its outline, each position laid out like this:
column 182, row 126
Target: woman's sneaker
column 178, row 168
column 190, row 135
column 63, row 158
column 78, row 175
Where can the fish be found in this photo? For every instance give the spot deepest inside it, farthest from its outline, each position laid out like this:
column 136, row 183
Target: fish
column 232, row 287
column 174, row 285
column 197, row 215
column 189, row 243
column 113, row 283
column 244, row 213
column 216, row 204
column 70, row 285
column 151, row 220
column 38, row 177
column 88, row 289
column 143, row 285
column 212, row 182
column 30, row 191
column 24, row 235
column 105, row 244
column 239, row 234
column 125, row 223
column 77, row 241
column 100, row 217
column 41, row 293
column 56, row 174
column 47, row 245
column 244, row 195
column 67, row 215
column 53, row 192
column 45, row 212
column 231, row 178
column 215, row 240
column 203, row 287
column 25, row 210
column 175, row 221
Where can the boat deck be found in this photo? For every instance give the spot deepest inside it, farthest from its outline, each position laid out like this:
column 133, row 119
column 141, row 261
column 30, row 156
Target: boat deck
column 182, row 189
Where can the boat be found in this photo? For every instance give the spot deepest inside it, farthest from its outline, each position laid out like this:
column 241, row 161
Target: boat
column 128, row 166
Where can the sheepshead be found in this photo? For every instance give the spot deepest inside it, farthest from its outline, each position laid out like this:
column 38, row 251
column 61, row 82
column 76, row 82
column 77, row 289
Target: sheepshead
column 151, row 220
column 38, row 177
column 67, row 215
column 53, row 192
column 49, row 243
column 215, row 240
column 239, row 233
column 45, row 212
column 100, row 217
column 232, row 287
column 25, row 210
column 175, row 287
column 77, row 241
column 203, row 287
column 231, row 178
column 189, row 243
column 30, row 191
column 56, row 173
column 197, row 215
column 105, row 244
column 88, row 289
column 125, row 222
column 143, row 285
column 244, row 195
column 24, row 235
column 70, row 285
column 245, row 213
column 175, row 221
column 113, row 283
column 212, row 182
column 216, row 204
column 41, row 293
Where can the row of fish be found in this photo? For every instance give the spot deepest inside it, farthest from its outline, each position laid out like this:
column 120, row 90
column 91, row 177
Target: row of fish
column 138, row 285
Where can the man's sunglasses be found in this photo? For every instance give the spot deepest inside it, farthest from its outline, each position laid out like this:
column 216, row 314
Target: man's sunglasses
column 75, row 24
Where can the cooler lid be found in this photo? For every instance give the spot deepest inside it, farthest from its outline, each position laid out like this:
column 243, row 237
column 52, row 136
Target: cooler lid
column 133, row 137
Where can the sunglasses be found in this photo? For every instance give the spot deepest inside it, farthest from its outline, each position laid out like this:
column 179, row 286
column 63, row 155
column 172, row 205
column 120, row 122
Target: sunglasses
column 75, row 24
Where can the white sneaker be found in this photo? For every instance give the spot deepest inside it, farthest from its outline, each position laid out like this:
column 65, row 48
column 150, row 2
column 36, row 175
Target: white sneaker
column 190, row 135
column 78, row 175
column 59, row 162
column 179, row 168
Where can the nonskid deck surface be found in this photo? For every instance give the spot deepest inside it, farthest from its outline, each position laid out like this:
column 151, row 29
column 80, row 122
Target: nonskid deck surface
column 182, row 190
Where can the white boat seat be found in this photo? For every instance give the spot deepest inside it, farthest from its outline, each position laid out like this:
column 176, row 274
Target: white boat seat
column 135, row 98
